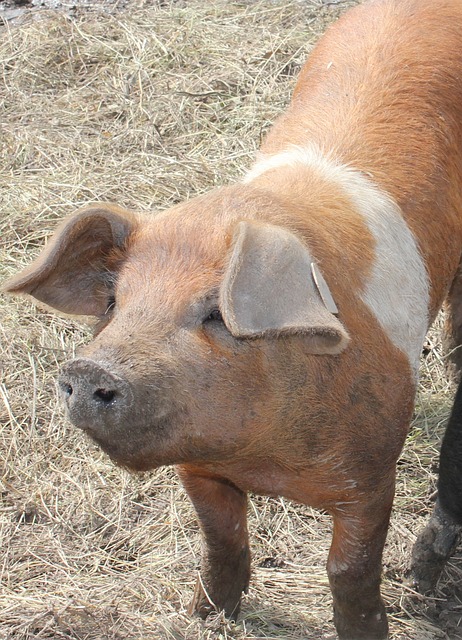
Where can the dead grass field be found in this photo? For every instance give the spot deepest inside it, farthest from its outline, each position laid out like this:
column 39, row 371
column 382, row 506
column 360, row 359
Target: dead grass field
column 146, row 108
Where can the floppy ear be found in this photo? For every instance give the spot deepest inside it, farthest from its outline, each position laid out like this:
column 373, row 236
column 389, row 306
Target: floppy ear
column 72, row 274
column 270, row 289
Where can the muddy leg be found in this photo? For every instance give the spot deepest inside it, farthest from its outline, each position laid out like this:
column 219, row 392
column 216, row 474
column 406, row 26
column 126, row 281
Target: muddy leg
column 354, row 568
column 432, row 549
column 450, row 471
column 225, row 571
column 437, row 541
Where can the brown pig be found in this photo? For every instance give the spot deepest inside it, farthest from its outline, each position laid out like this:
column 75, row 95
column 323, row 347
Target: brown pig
column 265, row 337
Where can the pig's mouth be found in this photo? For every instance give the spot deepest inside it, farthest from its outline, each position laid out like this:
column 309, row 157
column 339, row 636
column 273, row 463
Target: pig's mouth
column 138, row 446
column 132, row 429
column 136, row 449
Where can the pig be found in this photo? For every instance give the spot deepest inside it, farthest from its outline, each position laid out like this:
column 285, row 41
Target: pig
column 265, row 337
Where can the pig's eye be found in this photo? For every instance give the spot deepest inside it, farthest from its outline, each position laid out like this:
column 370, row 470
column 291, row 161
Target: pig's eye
column 214, row 316
column 111, row 303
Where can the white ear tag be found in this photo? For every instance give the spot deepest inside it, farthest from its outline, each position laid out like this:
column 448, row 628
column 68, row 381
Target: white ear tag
column 323, row 289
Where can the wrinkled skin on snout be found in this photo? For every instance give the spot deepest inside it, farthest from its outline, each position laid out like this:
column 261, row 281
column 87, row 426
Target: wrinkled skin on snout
column 214, row 351
column 172, row 376
column 151, row 388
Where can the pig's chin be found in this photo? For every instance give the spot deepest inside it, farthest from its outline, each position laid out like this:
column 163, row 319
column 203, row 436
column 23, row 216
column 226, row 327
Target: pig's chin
column 135, row 449
column 145, row 459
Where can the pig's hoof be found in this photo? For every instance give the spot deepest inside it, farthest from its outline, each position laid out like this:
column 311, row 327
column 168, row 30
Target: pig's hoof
column 432, row 549
column 369, row 626
column 203, row 604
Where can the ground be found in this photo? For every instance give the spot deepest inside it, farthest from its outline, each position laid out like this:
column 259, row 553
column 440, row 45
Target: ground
column 146, row 103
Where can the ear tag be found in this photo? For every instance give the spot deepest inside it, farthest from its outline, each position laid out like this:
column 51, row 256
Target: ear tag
column 323, row 289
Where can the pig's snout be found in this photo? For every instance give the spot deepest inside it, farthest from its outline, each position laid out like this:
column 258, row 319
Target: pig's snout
column 94, row 396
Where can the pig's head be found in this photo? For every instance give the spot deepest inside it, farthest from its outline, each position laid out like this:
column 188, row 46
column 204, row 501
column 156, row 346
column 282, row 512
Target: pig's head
column 194, row 308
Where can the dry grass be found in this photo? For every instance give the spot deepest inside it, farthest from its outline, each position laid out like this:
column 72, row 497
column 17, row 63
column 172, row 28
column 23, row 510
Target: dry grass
column 147, row 108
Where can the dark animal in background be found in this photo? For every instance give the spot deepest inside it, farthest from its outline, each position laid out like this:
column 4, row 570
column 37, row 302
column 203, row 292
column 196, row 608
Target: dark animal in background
column 438, row 540
column 266, row 337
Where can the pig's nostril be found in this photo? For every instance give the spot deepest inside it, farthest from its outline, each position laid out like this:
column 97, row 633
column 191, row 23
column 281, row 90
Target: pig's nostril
column 66, row 389
column 104, row 395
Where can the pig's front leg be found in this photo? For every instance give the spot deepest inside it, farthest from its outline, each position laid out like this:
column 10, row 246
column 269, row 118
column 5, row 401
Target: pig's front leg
column 225, row 571
column 354, row 569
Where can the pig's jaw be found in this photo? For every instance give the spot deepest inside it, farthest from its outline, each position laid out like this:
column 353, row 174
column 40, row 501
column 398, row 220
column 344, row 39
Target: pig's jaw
column 138, row 449
column 131, row 422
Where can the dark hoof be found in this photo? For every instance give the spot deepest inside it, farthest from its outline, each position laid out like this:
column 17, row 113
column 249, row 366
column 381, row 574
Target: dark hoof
column 372, row 625
column 203, row 605
column 432, row 549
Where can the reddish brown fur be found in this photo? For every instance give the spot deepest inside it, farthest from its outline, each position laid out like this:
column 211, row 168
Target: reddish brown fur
column 267, row 415
column 393, row 114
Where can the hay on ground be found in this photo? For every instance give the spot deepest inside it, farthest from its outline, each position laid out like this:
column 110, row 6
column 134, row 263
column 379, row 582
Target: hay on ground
column 147, row 108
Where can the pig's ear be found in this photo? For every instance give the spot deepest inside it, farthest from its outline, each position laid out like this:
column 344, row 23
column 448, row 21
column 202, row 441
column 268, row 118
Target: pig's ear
column 73, row 274
column 270, row 289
